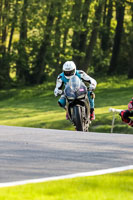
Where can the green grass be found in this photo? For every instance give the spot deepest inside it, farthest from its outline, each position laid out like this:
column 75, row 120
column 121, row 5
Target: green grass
column 114, row 92
column 118, row 186
column 37, row 106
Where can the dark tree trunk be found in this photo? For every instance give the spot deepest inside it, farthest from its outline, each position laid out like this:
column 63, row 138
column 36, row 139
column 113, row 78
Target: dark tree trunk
column 83, row 34
column 120, row 8
column 58, row 33
column 107, row 21
column 76, row 16
column 130, row 69
column 22, row 71
column 38, row 75
column 93, row 38
column 1, row 25
column 4, row 28
column 4, row 61
column 13, row 24
column 80, row 36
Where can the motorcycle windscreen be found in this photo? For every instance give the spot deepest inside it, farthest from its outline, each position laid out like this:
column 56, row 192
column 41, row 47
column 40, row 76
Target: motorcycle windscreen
column 72, row 86
column 75, row 87
column 74, row 83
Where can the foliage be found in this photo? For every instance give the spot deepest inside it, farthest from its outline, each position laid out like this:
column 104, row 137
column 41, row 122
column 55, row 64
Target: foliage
column 36, row 37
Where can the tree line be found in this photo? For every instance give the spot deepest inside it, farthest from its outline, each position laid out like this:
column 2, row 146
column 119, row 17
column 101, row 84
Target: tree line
column 37, row 37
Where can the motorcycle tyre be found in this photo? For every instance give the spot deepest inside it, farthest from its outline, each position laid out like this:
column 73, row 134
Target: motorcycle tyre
column 77, row 118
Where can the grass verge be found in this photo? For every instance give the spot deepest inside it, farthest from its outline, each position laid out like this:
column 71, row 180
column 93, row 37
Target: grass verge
column 116, row 186
column 37, row 106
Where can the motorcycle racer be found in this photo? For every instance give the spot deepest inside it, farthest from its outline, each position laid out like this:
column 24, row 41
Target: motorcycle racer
column 69, row 70
column 126, row 114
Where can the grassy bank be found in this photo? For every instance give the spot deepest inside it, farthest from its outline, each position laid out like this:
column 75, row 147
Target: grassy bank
column 113, row 186
column 37, row 106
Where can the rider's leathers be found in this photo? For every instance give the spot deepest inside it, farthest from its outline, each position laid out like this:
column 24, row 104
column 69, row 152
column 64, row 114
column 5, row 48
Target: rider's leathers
column 126, row 114
column 61, row 80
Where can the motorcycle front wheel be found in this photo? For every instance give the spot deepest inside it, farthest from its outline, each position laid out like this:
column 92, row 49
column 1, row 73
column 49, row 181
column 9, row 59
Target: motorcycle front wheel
column 77, row 118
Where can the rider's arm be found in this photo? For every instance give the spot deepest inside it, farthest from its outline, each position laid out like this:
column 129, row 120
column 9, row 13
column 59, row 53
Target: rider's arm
column 59, row 85
column 59, row 82
column 88, row 79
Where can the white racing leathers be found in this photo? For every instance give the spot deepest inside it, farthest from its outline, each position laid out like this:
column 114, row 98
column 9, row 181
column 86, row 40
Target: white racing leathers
column 61, row 80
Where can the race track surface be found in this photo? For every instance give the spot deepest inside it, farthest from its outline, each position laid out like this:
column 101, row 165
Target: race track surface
column 30, row 153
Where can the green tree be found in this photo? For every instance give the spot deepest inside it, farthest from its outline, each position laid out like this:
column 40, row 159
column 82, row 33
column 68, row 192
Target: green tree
column 4, row 65
column 94, row 33
column 37, row 37
column 120, row 8
column 108, row 12
column 38, row 75
column 130, row 68
column 22, row 68
column 80, row 18
column 13, row 23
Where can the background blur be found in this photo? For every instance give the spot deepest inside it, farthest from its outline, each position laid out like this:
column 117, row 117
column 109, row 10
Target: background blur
column 37, row 37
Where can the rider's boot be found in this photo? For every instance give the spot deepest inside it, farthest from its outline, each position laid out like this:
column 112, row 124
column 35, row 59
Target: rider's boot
column 67, row 116
column 92, row 114
column 130, row 123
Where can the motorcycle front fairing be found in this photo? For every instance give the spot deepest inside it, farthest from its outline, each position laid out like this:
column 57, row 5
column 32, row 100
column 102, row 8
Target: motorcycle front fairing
column 75, row 89
column 76, row 94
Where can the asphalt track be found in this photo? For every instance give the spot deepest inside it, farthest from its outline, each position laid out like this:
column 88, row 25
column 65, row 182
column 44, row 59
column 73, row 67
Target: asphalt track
column 31, row 153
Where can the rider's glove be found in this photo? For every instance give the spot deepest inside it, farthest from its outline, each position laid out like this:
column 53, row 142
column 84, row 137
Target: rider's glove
column 92, row 87
column 57, row 92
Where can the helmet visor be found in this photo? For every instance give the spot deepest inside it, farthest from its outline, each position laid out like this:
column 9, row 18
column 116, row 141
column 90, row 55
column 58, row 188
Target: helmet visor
column 69, row 73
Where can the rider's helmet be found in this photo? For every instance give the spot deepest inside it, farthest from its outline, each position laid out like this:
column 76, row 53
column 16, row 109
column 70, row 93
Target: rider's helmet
column 69, row 69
